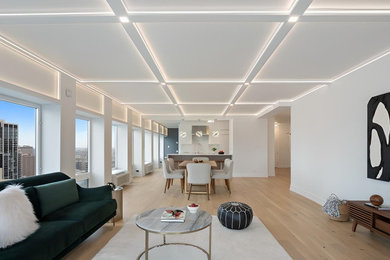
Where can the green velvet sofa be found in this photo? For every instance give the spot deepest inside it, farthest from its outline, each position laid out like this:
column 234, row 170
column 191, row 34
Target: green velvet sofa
column 62, row 230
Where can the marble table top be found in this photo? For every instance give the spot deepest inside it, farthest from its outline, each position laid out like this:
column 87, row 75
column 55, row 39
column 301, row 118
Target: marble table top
column 151, row 221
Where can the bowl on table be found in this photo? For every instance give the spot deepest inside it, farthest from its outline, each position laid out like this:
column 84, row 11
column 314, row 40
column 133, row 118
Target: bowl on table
column 193, row 208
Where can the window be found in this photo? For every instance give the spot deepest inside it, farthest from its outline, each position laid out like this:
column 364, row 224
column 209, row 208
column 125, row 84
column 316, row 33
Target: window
column 18, row 140
column 114, row 147
column 82, row 145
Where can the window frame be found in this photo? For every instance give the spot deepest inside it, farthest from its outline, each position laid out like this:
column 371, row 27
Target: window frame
column 38, row 127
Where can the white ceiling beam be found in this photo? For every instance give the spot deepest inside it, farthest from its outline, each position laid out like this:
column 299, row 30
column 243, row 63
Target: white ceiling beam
column 277, row 38
column 135, row 35
column 216, row 16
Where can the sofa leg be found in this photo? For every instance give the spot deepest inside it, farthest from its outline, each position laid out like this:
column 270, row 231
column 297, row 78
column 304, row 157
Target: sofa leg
column 113, row 221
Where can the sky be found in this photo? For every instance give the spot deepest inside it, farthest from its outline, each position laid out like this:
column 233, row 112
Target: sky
column 24, row 116
column 81, row 133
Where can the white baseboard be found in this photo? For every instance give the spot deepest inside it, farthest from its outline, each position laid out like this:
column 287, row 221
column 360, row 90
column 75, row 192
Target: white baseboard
column 307, row 194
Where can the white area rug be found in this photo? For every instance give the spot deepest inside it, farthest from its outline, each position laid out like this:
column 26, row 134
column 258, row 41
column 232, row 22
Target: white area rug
column 254, row 242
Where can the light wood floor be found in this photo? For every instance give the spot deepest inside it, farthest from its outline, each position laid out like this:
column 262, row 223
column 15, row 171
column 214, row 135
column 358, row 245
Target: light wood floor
column 296, row 222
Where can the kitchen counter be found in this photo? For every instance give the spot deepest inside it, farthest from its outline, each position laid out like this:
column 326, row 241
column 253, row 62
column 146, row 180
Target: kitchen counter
column 219, row 158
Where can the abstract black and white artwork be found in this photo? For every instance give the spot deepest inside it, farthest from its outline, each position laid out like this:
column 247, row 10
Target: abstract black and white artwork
column 378, row 135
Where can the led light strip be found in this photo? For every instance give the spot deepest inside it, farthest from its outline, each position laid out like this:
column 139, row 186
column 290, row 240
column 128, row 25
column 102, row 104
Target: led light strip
column 361, row 66
column 270, row 41
column 119, row 81
column 59, row 14
column 291, row 81
column 346, row 12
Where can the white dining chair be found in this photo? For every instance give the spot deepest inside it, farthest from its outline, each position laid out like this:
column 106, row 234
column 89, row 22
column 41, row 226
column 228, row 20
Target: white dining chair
column 201, row 158
column 170, row 175
column 225, row 174
column 171, row 164
column 199, row 174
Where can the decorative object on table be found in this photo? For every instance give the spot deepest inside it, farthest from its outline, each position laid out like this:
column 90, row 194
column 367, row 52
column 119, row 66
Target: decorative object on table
column 381, row 207
column 112, row 185
column 213, row 149
column 193, row 208
column 235, row 215
column 221, row 152
column 336, row 209
column 173, row 215
column 376, row 200
column 378, row 134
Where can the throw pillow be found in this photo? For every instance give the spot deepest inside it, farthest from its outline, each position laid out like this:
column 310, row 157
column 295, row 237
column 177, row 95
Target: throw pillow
column 17, row 219
column 56, row 195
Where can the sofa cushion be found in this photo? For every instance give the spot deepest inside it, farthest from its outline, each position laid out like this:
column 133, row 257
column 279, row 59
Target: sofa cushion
column 32, row 195
column 47, row 242
column 56, row 195
column 89, row 213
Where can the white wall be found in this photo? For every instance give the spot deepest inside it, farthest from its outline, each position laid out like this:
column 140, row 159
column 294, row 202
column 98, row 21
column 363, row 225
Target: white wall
column 271, row 146
column 250, row 147
column 282, row 145
column 329, row 137
column 19, row 70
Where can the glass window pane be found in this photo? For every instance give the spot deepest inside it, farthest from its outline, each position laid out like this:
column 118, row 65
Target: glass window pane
column 82, row 149
column 17, row 140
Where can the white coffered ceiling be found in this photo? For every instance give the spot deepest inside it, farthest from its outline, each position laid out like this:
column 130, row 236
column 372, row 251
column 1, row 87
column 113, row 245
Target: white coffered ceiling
column 186, row 58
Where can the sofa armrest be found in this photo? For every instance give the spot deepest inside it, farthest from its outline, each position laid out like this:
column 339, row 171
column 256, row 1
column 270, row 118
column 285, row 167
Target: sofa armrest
column 93, row 194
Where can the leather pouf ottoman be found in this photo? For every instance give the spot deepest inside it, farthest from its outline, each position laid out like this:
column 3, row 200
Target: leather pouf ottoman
column 235, row 215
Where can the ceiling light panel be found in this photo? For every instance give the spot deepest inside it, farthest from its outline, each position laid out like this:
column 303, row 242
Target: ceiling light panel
column 317, row 51
column 203, row 109
column 204, row 93
column 135, row 92
column 270, row 93
column 350, row 4
column 45, row 6
column 210, row 5
column 90, row 51
column 156, row 109
column 245, row 109
column 206, row 51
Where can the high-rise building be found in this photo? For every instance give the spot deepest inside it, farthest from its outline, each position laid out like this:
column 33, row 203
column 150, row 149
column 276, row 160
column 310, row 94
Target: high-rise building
column 27, row 154
column 9, row 159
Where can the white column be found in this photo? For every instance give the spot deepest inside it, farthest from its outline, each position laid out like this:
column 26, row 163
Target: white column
column 271, row 146
column 58, row 130
column 101, row 144
column 143, row 146
column 130, row 142
column 67, row 91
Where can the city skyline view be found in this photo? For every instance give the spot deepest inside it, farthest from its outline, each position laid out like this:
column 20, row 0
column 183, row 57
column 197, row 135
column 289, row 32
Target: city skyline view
column 24, row 117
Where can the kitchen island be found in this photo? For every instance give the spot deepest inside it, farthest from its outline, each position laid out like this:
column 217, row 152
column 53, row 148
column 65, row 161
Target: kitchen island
column 218, row 158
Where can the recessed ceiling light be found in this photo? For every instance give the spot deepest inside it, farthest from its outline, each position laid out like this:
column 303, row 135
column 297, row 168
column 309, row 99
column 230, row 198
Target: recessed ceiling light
column 231, row 105
column 163, row 83
column 293, row 19
column 246, row 84
column 210, row 121
column 124, row 19
column 176, row 104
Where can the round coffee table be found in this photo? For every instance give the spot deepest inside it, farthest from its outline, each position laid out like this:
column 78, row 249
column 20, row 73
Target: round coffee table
column 150, row 222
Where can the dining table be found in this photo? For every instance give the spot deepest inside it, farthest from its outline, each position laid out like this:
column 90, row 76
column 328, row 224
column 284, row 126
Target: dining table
column 183, row 165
